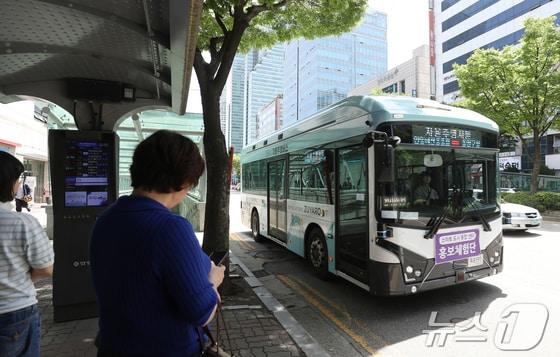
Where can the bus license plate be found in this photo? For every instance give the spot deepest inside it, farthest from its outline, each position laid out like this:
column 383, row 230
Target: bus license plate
column 475, row 261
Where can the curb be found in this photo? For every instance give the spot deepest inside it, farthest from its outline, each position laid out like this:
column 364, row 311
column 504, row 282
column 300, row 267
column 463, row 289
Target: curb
column 301, row 337
column 550, row 218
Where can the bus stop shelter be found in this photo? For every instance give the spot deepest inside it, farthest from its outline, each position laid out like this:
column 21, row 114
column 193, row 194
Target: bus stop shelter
column 100, row 60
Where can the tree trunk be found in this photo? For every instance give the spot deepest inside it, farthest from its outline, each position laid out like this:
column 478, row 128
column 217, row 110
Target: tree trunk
column 216, row 222
column 536, row 162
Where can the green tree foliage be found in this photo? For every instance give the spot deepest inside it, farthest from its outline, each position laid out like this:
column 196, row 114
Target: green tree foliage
column 228, row 27
column 545, row 170
column 519, row 86
column 543, row 201
column 380, row 92
column 237, row 164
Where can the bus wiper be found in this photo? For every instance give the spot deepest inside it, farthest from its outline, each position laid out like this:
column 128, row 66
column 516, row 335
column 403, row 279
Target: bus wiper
column 436, row 223
column 484, row 220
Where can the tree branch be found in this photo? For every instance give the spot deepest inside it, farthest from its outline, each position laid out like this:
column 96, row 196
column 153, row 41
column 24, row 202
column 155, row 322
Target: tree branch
column 238, row 9
column 257, row 9
column 214, row 41
column 200, row 67
column 220, row 23
column 549, row 124
column 228, row 50
column 217, row 55
column 542, row 109
column 510, row 90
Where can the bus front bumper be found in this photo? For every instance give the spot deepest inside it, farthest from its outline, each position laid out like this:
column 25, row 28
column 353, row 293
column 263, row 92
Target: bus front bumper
column 387, row 279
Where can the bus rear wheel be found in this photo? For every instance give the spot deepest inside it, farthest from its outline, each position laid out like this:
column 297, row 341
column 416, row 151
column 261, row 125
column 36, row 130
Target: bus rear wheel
column 317, row 253
column 255, row 227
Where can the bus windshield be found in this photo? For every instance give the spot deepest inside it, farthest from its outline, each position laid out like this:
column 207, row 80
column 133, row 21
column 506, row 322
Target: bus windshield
column 462, row 183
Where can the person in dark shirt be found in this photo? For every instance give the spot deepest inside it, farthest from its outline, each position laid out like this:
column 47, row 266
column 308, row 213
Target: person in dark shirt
column 425, row 194
column 154, row 284
column 23, row 195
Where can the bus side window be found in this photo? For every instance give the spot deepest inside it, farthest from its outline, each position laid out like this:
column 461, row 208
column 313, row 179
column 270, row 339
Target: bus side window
column 295, row 184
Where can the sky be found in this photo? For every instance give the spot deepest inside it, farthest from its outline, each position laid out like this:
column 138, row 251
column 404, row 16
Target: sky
column 407, row 27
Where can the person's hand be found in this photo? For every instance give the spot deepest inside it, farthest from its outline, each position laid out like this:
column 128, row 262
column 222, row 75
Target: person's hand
column 216, row 275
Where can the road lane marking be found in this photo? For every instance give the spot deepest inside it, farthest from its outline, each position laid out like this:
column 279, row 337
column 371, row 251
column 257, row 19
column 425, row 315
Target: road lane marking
column 341, row 309
column 243, row 243
column 315, row 302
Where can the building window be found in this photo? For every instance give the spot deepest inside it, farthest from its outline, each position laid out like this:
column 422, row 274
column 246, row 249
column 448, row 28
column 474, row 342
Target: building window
column 403, row 88
column 450, row 87
column 466, row 13
column 391, row 89
column 500, row 43
column 446, row 4
column 492, row 23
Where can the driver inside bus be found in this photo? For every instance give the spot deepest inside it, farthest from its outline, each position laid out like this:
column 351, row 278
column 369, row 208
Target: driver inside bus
column 425, row 194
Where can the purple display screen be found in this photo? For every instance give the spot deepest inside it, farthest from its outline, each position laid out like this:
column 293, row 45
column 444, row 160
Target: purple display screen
column 456, row 245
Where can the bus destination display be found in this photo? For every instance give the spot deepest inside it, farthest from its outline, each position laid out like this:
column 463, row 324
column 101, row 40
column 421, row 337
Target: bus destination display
column 87, row 174
column 444, row 136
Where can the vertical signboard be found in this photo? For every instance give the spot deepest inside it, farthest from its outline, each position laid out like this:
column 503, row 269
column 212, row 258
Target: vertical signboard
column 432, row 41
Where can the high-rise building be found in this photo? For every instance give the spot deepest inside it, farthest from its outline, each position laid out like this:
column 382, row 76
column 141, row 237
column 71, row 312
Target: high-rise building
column 461, row 26
column 233, row 103
column 320, row 72
column 225, row 112
column 410, row 78
column 256, row 79
column 269, row 118
column 264, row 84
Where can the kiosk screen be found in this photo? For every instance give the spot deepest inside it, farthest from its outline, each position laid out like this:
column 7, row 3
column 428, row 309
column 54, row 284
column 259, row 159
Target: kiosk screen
column 87, row 170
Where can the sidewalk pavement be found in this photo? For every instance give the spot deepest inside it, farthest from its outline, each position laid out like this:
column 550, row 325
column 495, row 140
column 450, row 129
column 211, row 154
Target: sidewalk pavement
column 257, row 324
column 253, row 329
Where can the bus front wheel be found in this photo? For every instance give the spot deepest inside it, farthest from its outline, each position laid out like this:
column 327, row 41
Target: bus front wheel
column 317, row 253
column 255, row 227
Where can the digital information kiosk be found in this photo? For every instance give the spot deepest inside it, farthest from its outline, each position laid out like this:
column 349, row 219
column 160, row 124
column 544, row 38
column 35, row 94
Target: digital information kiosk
column 84, row 183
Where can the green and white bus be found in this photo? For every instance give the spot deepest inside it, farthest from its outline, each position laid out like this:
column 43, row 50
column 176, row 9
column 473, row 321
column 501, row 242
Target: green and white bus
column 395, row 194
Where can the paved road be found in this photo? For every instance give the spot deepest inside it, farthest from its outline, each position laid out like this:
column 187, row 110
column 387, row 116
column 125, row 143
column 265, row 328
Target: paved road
column 347, row 321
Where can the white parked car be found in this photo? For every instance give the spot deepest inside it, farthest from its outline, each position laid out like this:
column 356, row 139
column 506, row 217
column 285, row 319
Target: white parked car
column 508, row 190
column 519, row 217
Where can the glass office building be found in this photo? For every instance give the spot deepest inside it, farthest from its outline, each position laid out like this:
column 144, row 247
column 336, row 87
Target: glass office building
column 255, row 80
column 264, row 84
column 320, row 72
column 236, row 102
column 462, row 26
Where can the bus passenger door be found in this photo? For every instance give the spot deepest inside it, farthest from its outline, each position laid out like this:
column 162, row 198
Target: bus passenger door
column 277, row 199
column 352, row 247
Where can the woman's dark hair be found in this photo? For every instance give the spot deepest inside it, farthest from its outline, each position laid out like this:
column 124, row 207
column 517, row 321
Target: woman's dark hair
column 10, row 171
column 165, row 162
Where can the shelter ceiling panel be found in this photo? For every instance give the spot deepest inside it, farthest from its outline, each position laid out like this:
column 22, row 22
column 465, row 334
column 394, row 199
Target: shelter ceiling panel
column 24, row 68
column 133, row 10
column 15, row 63
column 40, row 23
